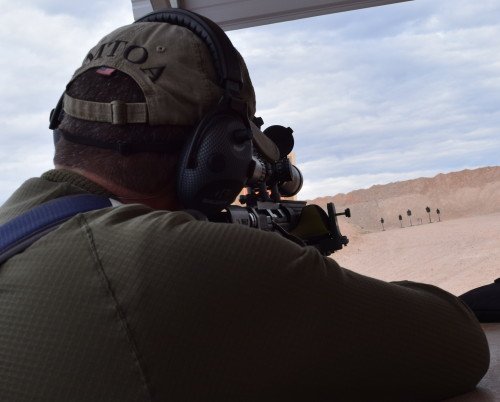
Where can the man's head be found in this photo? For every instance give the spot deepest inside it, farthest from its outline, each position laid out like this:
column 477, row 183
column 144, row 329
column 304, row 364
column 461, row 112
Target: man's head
column 147, row 85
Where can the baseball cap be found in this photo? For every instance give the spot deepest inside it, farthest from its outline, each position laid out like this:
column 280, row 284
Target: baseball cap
column 176, row 72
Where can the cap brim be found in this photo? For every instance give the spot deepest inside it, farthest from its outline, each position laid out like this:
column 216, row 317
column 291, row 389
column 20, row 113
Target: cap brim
column 266, row 146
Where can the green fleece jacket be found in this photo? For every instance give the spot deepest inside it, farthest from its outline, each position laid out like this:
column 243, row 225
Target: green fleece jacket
column 132, row 304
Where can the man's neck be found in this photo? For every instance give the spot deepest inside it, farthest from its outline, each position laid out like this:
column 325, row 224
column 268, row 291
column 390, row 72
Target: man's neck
column 160, row 201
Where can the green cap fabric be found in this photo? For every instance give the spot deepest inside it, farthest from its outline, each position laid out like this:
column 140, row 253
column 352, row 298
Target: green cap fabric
column 175, row 71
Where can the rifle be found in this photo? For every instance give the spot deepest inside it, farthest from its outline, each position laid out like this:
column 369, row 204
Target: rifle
column 306, row 225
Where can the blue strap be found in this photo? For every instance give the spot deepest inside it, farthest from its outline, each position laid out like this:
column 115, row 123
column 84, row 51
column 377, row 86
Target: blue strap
column 22, row 231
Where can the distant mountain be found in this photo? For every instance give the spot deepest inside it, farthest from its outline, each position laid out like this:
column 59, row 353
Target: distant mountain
column 456, row 195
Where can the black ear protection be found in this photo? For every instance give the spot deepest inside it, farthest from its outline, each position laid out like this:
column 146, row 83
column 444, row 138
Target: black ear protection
column 217, row 158
column 215, row 162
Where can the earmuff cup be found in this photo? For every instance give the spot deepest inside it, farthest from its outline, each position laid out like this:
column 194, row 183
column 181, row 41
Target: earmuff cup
column 214, row 163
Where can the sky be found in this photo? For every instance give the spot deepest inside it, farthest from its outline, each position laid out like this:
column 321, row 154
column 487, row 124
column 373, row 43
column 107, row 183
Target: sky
column 374, row 96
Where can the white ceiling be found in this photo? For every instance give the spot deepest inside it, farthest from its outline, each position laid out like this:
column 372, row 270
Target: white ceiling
column 235, row 14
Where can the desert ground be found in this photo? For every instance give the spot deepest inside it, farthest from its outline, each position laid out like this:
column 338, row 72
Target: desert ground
column 456, row 255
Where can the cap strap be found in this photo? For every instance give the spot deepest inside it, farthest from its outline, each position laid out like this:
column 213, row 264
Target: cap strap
column 116, row 112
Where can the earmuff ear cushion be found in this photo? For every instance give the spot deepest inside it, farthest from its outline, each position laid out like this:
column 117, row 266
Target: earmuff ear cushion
column 214, row 164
